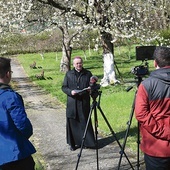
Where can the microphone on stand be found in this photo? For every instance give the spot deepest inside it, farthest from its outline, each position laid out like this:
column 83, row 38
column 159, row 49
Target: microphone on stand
column 93, row 83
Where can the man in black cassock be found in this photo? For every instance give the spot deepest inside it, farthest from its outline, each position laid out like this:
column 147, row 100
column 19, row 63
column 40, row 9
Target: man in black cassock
column 78, row 106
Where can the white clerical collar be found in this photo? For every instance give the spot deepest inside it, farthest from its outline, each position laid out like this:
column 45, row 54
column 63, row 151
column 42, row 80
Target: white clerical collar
column 77, row 70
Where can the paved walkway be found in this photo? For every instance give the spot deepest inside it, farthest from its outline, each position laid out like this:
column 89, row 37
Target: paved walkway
column 48, row 118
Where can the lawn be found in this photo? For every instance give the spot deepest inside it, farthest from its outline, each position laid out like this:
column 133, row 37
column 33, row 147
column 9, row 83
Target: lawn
column 115, row 102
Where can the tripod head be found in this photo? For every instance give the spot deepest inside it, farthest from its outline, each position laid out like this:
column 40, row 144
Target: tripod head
column 140, row 71
column 95, row 93
column 139, row 80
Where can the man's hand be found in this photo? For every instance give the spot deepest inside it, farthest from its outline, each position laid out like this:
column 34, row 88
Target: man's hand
column 73, row 92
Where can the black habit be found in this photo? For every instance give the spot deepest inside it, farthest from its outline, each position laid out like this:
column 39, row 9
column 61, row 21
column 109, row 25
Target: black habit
column 78, row 108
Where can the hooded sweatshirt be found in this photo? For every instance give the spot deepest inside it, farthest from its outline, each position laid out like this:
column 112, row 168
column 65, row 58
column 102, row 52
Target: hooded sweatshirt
column 152, row 110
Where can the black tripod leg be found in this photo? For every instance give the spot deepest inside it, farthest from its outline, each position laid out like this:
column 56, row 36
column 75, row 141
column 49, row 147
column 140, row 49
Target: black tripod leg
column 138, row 143
column 128, row 128
column 113, row 133
column 84, row 135
column 96, row 134
column 127, row 132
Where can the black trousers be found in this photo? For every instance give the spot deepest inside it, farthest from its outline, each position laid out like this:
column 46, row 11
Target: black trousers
column 156, row 163
column 23, row 164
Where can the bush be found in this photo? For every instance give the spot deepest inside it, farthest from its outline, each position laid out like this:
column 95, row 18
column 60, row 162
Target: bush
column 165, row 34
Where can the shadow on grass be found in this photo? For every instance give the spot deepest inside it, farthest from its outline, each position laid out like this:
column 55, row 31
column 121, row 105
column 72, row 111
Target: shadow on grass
column 104, row 141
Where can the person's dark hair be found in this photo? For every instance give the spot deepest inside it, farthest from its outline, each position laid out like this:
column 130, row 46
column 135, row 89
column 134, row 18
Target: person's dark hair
column 5, row 66
column 162, row 56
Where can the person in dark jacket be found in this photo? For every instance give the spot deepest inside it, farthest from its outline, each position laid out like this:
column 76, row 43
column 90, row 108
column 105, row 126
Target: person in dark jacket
column 78, row 106
column 15, row 127
column 152, row 110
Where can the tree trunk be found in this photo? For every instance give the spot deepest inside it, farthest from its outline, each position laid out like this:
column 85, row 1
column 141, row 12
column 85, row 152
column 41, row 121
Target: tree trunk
column 65, row 64
column 66, row 58
column 109, row 77
column 66, row 51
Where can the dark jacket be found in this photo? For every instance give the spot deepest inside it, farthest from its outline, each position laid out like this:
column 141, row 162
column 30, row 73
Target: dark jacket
column 15, row 127
column 152, row 110
column 80, row 102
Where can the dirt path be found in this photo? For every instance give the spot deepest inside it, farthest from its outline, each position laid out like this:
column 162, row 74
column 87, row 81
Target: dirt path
column 48, row 118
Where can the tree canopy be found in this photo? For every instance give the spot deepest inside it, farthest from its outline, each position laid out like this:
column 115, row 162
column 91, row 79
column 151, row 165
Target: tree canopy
column 116, row 20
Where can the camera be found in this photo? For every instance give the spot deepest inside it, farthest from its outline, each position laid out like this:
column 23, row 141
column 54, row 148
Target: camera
column 143, row 53
column 141, row 70
column 94, row 87
column 93, row 83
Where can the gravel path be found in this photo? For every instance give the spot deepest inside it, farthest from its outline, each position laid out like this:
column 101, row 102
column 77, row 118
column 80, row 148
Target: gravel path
column 48, row 118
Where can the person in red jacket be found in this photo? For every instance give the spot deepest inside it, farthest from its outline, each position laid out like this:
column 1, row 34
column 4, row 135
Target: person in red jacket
column 152, row 110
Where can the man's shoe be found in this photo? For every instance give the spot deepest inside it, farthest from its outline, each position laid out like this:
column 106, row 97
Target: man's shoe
column 72, row 148
column 89, row 147
column 78, row 146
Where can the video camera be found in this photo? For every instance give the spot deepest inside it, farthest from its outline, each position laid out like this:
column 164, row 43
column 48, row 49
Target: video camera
column 143, row 53
column 140, row 70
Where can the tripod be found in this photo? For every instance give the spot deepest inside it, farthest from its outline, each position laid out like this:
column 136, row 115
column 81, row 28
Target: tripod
column 96, row 105
column 128, row 128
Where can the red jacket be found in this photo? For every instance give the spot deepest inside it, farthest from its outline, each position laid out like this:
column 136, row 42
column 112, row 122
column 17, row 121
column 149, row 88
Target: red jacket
column 152, row 110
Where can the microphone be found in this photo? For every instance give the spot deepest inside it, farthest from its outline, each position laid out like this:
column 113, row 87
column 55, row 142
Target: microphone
column 92, row 83
column 93, row 79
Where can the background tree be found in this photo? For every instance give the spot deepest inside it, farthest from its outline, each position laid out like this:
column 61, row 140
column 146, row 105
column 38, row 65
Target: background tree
column 87, row 41
column 119, row 19
column 47, row 17
column 12, row 15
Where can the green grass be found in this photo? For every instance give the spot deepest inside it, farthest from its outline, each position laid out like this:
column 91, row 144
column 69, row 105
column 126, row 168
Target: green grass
column 116, row 102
